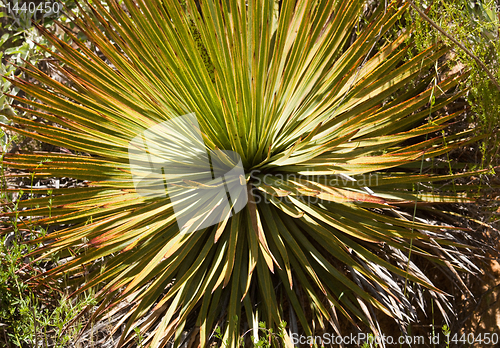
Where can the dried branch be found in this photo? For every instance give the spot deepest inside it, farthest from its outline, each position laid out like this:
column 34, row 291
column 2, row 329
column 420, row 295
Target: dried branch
column 456, row 42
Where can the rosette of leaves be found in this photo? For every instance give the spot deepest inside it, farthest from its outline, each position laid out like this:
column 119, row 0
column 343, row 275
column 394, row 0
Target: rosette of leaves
column 329, row 121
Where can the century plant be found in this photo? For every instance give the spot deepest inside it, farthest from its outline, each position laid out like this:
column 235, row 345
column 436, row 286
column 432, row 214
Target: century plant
column 334, row 125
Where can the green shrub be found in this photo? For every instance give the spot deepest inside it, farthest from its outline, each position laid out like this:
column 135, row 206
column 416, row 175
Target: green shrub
column 334, row 134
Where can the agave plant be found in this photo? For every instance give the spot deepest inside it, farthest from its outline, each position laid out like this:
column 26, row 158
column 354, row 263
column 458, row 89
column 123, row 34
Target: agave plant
column 333, row 125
